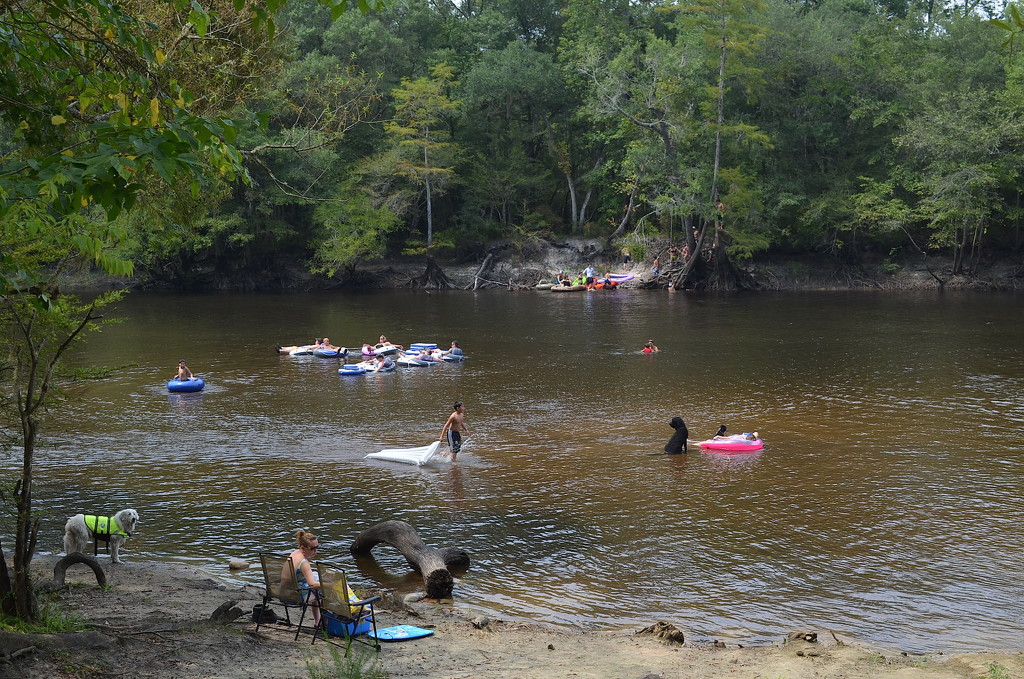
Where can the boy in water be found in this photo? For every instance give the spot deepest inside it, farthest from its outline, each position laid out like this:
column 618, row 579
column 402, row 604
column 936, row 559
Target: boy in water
column 183, row 372
column 454, row 428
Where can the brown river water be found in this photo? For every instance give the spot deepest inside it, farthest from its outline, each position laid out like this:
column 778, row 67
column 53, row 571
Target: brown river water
column 886, row 504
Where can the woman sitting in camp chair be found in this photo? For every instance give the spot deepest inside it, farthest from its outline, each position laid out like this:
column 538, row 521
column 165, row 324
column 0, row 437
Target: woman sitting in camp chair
column 308, row 584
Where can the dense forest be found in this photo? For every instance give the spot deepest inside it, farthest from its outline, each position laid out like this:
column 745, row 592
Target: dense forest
column 435, row 128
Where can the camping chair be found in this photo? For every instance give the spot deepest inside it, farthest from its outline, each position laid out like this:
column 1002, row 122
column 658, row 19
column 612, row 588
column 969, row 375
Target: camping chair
column 341, row 613
column 281, row 587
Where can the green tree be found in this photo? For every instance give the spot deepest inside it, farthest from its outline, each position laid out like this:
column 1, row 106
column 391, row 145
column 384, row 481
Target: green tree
column 93, row 108
column 355, row 229
column 419, row 131
column 820, row 85
column 961, row 147
column 732, row 32
column 587, row 146
column 236, row 233
column 507, row 101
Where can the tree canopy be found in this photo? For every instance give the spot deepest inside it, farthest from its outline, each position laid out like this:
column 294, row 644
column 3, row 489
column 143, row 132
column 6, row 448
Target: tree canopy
column 100, row 104
column 839, row 127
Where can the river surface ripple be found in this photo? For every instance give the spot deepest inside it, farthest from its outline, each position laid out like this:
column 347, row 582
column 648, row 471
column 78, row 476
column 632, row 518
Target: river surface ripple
column 885, row 506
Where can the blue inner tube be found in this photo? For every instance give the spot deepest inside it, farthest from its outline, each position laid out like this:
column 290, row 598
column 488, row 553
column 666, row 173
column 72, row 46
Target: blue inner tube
column 185, row 386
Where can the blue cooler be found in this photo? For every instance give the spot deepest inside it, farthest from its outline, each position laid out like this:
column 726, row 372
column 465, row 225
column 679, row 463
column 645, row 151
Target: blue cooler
column 336, row 628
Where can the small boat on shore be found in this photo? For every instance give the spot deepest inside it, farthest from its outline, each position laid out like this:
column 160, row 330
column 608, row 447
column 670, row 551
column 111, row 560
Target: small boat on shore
column 567, row 288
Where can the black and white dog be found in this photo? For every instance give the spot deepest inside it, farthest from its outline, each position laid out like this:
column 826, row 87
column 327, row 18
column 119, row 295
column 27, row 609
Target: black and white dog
column 80, row 528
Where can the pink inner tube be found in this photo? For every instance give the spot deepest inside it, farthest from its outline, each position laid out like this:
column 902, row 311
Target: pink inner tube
column 733, row 445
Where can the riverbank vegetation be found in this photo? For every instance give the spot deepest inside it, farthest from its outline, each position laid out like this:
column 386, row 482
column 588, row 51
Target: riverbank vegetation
column 100, row 104
column 841, row 130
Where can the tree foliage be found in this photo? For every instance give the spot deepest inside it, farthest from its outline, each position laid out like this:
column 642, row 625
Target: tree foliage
column 576, row 116
column 419, row 132
column 99, row 102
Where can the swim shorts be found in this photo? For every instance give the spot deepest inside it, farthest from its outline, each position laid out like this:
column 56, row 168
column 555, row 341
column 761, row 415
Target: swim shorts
column 454, row 441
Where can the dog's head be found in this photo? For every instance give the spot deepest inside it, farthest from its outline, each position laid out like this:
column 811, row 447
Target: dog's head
column 127, row 519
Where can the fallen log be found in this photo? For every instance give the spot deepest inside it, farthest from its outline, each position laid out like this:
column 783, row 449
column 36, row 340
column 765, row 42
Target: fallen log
column 432, row 563
column 61, row 567
column 484, row 268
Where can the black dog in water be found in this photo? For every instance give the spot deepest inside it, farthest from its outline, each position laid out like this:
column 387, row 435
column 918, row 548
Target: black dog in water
column 677, row 444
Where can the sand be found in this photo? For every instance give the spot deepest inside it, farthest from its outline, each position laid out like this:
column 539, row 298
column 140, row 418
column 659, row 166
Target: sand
column 154, row 622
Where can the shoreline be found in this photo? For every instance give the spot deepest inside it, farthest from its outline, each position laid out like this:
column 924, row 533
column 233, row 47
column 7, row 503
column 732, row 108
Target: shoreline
column 153, row 621
column 769, row 273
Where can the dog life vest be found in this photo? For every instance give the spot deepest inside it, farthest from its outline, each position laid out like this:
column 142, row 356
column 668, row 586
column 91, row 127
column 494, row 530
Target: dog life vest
column 104, row 526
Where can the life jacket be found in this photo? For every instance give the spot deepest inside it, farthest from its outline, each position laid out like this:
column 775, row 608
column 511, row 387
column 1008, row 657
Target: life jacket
column 648, row 350
column 104, row 525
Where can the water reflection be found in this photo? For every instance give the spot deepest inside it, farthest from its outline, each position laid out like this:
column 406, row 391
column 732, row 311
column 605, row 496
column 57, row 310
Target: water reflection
column 454, row 490
column 186, row 404
column 733, row 462
column 885, row 504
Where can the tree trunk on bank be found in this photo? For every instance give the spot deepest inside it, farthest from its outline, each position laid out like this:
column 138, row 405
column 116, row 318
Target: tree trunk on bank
column 628, row 214
column 434, row 277
column 719, row 273
column 430, row 202
column 724, row 274
column 432, row 563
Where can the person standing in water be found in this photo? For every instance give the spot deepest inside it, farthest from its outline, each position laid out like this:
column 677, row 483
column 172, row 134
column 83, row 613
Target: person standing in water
column 454, row 428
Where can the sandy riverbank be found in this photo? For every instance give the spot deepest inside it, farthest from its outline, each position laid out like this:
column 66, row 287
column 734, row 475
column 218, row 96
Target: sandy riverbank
column 150, row 623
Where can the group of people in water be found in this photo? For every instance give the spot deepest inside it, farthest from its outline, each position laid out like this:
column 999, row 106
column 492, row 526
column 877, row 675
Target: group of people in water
column 379, row 355
column 587, row 277
column 324, row 344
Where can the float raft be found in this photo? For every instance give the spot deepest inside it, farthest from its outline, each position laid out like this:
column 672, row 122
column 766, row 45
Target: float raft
column 417, row 456
column 732, row 445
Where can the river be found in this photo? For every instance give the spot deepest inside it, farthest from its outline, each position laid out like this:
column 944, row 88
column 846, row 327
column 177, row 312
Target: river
column 885, row 506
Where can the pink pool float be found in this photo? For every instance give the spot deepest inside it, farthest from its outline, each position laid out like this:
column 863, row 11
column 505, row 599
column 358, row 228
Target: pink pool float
column 739, row 443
